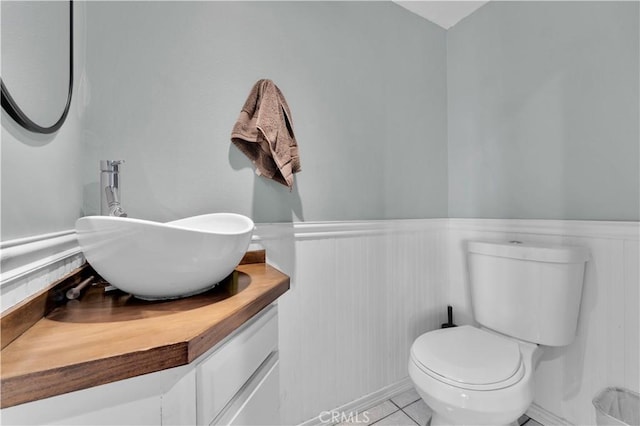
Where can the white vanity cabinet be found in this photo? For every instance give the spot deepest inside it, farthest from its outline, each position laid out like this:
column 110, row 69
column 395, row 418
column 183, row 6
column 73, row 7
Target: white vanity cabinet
column 234, row 383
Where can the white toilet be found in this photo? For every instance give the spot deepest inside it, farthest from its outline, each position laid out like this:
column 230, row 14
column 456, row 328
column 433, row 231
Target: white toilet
column 523, row 295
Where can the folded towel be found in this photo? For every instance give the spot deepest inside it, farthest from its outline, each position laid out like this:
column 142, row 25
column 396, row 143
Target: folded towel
column 264, row 132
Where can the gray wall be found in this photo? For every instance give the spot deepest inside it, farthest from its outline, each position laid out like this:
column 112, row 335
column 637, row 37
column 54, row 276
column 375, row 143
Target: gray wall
column 366, row 82
column 543, row 111
column 40, row 174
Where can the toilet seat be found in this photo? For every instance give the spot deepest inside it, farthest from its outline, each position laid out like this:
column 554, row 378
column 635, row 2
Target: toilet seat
column 468, row 357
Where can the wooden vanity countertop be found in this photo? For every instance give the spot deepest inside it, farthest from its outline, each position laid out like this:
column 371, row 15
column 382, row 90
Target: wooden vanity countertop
column 108, row 336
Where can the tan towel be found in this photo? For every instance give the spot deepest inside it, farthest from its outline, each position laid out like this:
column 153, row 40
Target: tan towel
column 264, row 132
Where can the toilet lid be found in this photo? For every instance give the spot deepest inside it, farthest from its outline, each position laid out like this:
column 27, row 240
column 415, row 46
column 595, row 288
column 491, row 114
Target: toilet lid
column 467, row 355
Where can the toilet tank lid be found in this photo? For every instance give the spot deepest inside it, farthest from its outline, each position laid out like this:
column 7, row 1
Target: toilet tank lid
column 530, row 251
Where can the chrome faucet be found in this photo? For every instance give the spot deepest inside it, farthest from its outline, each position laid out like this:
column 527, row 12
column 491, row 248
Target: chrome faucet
column 110, row 185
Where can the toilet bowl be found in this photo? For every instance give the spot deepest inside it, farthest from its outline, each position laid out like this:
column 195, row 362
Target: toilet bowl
column 522, row 295
column 471, row 376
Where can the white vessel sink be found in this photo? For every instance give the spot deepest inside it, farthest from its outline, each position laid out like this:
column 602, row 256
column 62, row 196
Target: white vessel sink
column 154, row 260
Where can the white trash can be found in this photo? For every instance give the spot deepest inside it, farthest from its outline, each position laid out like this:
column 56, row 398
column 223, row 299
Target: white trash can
column 617, row 407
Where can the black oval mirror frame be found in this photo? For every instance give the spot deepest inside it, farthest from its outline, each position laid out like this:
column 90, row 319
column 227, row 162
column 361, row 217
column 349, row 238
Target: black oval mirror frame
column 14, row 111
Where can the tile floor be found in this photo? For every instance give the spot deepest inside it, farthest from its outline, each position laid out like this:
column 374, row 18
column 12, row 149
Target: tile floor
column 407, row 409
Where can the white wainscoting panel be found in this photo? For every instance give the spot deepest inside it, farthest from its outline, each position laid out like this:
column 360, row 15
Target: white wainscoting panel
column 28, row 265
column 631, row 251
column 605, row 351
column 360, row 294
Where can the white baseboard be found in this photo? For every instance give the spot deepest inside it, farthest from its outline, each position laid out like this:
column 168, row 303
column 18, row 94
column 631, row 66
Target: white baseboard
column 366, row 401
column 545, row 417
column 535, row 412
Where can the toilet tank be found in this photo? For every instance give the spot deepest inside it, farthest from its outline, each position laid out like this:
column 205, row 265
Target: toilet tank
column 528, row 291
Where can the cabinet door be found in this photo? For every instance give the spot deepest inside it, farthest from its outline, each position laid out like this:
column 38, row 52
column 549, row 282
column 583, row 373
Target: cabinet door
column 134, row 401
column 72, row 411
column 258, row 402
column 142, row 412
column 226, row 371
column 179, row 403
